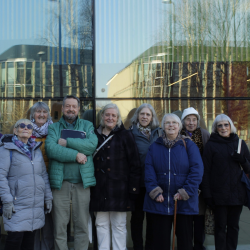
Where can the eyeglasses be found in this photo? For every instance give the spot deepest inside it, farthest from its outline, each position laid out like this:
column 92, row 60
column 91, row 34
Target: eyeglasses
column 168, row 123
column 23, row 125
column 226, row 125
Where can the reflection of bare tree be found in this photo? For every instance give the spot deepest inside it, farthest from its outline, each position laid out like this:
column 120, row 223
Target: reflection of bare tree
column 211, row 27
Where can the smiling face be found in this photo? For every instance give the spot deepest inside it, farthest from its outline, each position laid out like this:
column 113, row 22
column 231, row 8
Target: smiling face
column 23, row 134
column 191, row 123
column 70, row 110
column 41, row 117
column 145, row 117
column 171, row 127
column 110, row 118
column 224, row 128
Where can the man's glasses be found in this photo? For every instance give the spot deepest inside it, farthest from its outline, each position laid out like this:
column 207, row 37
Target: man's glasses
column 23, row 125
column 226, row 125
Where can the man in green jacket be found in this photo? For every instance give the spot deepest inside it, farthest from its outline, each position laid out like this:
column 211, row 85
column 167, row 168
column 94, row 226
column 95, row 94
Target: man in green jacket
column 71, row 174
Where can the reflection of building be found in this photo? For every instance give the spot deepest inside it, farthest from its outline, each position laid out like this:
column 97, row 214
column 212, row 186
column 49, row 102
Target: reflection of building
column 183, row 84
column 22, row 73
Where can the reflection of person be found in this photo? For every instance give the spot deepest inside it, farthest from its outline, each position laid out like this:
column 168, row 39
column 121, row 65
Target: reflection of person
column 172, row 172
column 40, row 118
column 118, row 173
column 71, row 173
column 222, row 187
column 191, row 127
column 24, row 186
column 145, row 128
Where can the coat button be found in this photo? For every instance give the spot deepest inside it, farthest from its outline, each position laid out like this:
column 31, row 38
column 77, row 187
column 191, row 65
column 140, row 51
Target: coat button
column 108, row 146
column 108, row 158
column 97, row 169
column 97, row 158
column 108, row 169
column 134, row 189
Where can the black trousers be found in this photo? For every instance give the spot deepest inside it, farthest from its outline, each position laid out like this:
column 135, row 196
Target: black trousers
column 199, row 232
column 137, row 217
column 162, row 227
column 226, row 227
column 20, row 241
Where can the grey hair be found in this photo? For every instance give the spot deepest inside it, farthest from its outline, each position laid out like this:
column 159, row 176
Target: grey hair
column 26, row 121
column 175, row 117
column 71, row 97
column 223, row 117
column 198, row 120
column 38, row 106
column 111, row 106
column 155, row 122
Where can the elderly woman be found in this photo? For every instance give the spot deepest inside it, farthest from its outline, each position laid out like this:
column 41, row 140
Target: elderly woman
column 191, row 127
column 41, row 119
column 173, row 170
column 222, row 187
column 118, row 173
column 145, row 128
column 24, row 186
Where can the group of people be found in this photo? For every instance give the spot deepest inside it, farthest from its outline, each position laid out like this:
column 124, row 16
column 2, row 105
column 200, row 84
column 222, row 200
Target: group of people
column 114, row 170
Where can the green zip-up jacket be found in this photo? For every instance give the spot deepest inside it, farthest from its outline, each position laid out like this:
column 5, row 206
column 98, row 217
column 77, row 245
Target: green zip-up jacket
column 61, row 157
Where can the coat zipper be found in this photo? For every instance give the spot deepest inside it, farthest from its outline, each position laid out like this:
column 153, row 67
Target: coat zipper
column 169, row 179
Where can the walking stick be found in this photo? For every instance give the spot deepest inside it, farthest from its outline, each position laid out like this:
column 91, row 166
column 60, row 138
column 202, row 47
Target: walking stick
column 175, row 209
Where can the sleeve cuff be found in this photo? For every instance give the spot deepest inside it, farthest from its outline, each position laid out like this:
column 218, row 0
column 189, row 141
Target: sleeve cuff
column 155, row 192
column 183, row 194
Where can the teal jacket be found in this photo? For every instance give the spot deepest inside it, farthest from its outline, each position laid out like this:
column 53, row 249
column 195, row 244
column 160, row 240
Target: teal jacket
column 59, row 155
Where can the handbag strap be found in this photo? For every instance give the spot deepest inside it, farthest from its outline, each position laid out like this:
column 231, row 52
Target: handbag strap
column 97, row 150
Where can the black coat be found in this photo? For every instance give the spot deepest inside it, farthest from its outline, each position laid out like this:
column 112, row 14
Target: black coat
column 221, row 180
column 117, row 172
column 143, row 144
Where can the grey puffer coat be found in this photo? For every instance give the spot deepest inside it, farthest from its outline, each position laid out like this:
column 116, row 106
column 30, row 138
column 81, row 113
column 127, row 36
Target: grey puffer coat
column 25, row 183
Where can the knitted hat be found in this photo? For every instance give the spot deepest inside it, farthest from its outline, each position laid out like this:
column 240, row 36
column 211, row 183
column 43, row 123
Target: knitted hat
column 190, row 111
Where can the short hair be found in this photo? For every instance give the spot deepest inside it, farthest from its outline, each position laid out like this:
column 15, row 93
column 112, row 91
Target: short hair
column 175, row 117
column 223, row 117
column 155, row 122
column 111, row 106
column 39, row 106
column 71, row 97
column 26, row 121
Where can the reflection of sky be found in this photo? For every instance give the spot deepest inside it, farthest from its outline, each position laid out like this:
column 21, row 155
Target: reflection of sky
column 124, row 30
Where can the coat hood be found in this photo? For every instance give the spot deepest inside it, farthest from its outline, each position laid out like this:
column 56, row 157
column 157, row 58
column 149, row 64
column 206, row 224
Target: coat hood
column 215, row 137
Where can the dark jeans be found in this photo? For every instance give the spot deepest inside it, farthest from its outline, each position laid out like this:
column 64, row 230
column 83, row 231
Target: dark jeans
column 199, row 232
column 137, row 218
column 162, row 227
column 226, row 227
column 20, row 241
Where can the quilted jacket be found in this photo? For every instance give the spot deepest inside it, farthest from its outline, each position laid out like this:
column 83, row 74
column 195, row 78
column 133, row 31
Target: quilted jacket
column 60, row 157
column 25, row 183
column 221, row 180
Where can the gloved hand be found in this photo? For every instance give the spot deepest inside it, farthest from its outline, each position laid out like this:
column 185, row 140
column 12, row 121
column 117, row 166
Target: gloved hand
column 8, row 209
column 48, row 206
column 238, row 157
column 133, row 197
column 210, row 203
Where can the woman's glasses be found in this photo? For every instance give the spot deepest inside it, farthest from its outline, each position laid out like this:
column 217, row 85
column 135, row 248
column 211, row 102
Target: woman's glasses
column 226, row 125
column 23, row 125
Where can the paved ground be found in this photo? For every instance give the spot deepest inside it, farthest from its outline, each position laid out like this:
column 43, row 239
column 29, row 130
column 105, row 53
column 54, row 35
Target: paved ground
column 244, row 236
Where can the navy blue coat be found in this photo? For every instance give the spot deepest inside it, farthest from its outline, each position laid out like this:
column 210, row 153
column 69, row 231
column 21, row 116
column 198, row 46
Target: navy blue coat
column 173, row 169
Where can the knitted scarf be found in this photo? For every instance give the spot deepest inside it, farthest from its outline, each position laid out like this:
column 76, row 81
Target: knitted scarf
column 146, row 131
column 40, row 132
column 196, row 137
column 170, row 143
column 26, row 148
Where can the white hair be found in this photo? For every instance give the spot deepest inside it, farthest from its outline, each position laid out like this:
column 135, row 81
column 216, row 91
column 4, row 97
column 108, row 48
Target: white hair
column 154, row 124
column 38, row 106
column 111, row 106
column 223, row 117
column 175, row 117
